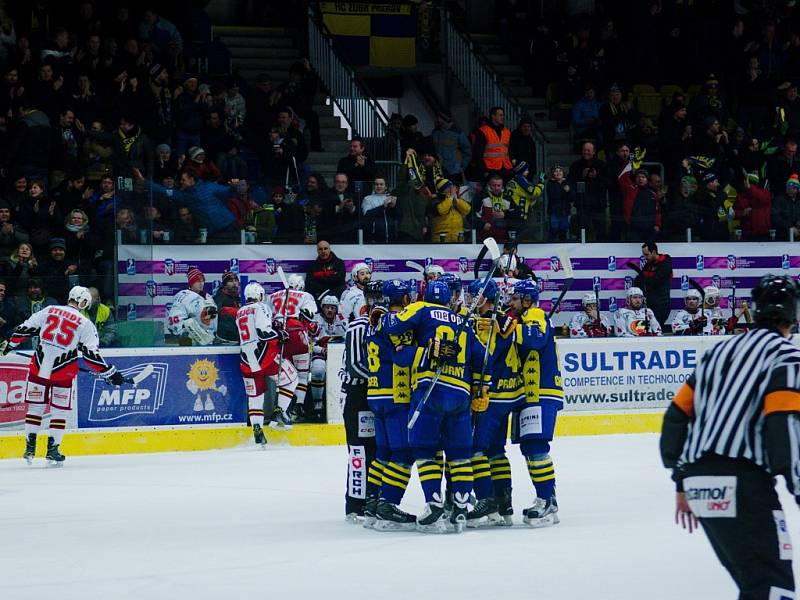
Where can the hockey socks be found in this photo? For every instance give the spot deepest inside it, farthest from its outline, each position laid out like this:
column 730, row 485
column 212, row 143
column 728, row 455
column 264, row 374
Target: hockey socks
column 33, row 418
column 501, row 473
column 375, row 477
column 481, row 472
column 430, row 476
column 255, row 410
column 543, row 475
column 284, row 398
column 395, row 482
column 461, row 480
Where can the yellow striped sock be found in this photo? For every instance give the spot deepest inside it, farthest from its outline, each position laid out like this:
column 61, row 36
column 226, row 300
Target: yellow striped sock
column 397, row 475
column 429, row 470
column 501, row 468
column 460, row 470
column 480, row 467
column 375, row 475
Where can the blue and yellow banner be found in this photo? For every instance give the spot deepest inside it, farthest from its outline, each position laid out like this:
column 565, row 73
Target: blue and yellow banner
column 379, row 35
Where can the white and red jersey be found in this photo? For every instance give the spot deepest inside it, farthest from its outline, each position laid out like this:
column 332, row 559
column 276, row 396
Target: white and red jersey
column 188, row 304
column 328, row 330
column 257, row 339
column 299, row 310
column 64, row 334
column 630, row 322
column 584, row 326
column 352, row 303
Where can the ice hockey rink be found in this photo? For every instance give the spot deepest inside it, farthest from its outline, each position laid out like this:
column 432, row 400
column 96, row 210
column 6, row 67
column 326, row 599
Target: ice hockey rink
column 246, row 523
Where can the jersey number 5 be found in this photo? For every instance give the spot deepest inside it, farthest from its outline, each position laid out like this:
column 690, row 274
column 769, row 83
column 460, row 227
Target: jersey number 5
column 59, row 331
column 244, row 330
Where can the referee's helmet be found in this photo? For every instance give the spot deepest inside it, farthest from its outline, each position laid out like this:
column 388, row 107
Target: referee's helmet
column 776, row 299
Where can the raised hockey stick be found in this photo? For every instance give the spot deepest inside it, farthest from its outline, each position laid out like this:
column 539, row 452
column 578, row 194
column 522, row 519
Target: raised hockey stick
column 415, row 265
column 566, row 263
column 494, row 251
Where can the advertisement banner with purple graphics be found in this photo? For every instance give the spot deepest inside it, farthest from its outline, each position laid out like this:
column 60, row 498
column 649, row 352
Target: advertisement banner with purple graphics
column 149, row 276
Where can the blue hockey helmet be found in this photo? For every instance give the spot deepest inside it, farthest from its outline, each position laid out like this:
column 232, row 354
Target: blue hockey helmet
column 438, row 292
column 394, row 290
column 527, row 290
column 452, row 281
column 490, row 293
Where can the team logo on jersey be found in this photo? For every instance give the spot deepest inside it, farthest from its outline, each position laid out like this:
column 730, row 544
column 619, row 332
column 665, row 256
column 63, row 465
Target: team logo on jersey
column 150, row 288
column 638, row 327
column 368, row 261
column 13, row 382
column 731, row 262
column 131, row 267
column 169, row 266
column 131, row 315
column 785, row 263
column 596, row 283
column 684, row 283
column 612, row 263
column 201, row 381
column 463, row 264
column 234, row 268
column 555, row 264
column 700, row 262
column 716, row 281
column 628, row 282
column 113, row 403
column 272, row 267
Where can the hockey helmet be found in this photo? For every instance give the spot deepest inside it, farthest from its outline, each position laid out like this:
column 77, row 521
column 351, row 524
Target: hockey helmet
column 692, row 293
column 588, row 298
column 508, row 263
column 329, row 300
column 776, row 300
column 394, row 290
column 434, row 271
column 634, row 291
column 362, row 266
column 296, row 282
column 254, row 291
column 712, row 294
column 452, row 281
column 438, row 292
column 490, row 293
column 81, row 296
column 527, row 289
column 373, row 292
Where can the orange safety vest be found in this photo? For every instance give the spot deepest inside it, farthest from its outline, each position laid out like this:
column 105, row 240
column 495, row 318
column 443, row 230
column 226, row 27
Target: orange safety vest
column 495, row 157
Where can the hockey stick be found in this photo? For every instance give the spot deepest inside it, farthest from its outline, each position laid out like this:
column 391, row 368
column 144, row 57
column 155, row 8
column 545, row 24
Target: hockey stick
column 135, row 380
column 566, row 263
column 494, row 251
column 322, row 295
column 415, row 265
column 285, row 283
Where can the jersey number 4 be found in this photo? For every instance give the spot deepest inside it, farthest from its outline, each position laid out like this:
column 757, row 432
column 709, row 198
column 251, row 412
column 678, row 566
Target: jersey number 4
column 59, row 331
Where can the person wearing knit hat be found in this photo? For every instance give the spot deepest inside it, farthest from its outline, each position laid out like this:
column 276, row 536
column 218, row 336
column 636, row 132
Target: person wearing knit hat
column 196, row 154
column 521, row 168
column 193, row 316
column 58, row 243
column 164, row 149
column 793, row 182
column 228, row 302
column 447, row 221
column 786, row 210
column 410, row 137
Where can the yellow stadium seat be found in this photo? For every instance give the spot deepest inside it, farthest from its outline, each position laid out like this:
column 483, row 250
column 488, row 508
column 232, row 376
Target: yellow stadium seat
column 643, row 88
column 667, row 91
column 649, row 104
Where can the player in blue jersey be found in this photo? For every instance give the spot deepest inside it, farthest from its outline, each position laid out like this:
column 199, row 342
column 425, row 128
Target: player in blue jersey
column 533, row 425
column 444, row 419
column 454, row 283
column 389, row 360
column 492, row 406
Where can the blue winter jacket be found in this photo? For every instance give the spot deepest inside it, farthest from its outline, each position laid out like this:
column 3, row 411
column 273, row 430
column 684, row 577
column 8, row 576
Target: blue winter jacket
column 206, row 200
column 453, row 148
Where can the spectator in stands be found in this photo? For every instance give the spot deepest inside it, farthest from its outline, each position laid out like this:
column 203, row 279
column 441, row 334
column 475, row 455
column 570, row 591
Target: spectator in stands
column 190, row 103
column 261, row 221
column 8, row 312
column 522, row 146
column 200, row 166
column 158, row 228
column 276, row 158
column 789, row 103
column 103, row 318
column 682, row 211
column 29, row 146
column 185, row 230
column 228, row 302
column 132, row 149
column 655, row 279
column 327, row 272
column 17, row 195
column 586, row 115
column 447, row 213
column 410, row 138
column 298, row 94
column 316, row 189
column 381, row 215
column 786, row 211
column 754, row 95
column 126, row 225
column 560, row 204
column 452, row 146
column 40, row 216
column 69, row 194
column 158, row 31
column 19, row 268
column 166, row 162
column 357, row 165
column 708, row 104
column 618, row 119
column 291, row 135
column 289, row 218
column 412, row 201
column 82, row 241
column 56, row 269
column 395, row 129
column 65, row 146
column 648, row 208
column 714, row 216
column 98, row 150
column 103, row 201
column 345, row 213
column 313, row 225
column 35, row 300
column 11, row 234
column 215, row 137
column 235, row 107
column 784, row 164
column 591, row 202
column 491, row 145
column 157, row 104
column 754, row 209
column 674, row 136
column 633, row 184
column 495, row 209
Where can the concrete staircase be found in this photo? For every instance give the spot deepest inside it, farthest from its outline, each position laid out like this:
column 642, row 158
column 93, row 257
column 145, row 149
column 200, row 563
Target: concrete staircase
column 512, row 78
column 272, row 50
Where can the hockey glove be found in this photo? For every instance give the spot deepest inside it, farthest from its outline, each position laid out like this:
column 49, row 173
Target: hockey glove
column 480, row 401
column 212, row 312
column 441, row 350
column 283, row 335
column 112, row 376
column 306, row 315
column 376, row 314
column 506, row 326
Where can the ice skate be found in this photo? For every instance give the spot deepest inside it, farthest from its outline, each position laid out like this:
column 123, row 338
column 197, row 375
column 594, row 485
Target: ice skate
column 53, row 456
column 370, row 507
column 258, row 435
column 543, row 513
column 198, row 404
column 504, row 507
column 389, row 517
column 354, row 518
column 458, row 518
column 297, row 413
column 30, row 448
column 485, row 514
column 280, row 420
column 433, row 519
column 209, row 403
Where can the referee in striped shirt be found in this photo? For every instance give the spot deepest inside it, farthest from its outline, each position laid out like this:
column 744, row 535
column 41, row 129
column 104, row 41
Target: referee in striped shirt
column 731, row 429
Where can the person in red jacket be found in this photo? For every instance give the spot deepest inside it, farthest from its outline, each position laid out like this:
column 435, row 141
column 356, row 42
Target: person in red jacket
column 754, row 209
column 631, row 184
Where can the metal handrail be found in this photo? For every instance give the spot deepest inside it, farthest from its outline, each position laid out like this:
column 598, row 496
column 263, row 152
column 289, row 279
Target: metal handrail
column 481, row 81
column 358, row 105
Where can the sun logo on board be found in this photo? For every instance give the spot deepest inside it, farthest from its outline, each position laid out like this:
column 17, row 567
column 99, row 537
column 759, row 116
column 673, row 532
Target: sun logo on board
column 202, row 377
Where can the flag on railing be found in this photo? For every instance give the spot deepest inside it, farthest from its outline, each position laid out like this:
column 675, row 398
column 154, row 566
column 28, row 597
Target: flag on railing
column 379, row 35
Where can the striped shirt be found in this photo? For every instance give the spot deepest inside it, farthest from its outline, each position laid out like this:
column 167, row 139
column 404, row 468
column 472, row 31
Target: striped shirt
column 737, row 384
column 354, row 369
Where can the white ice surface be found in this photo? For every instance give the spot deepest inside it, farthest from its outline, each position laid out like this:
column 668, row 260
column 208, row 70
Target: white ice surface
column 250, row 524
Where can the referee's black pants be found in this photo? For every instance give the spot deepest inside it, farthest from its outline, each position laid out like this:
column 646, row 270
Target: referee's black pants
column 754, row 545
column 360, row 433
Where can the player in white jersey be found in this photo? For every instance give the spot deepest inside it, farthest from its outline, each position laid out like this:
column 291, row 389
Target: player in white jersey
column 64, row 334
column 260, row 358
column 635, row 320
column 295, row 308
column 691, row 320
column 589, row 323
column 331, row 326
column 352, row 302
column 193, row 313
column 717, row 322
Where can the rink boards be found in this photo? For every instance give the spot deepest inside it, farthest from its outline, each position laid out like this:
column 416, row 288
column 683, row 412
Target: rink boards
column 194, row 398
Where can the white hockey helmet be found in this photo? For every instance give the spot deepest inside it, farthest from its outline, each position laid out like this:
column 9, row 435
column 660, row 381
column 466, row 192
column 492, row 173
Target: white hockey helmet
column 362, row 266
column 434, row 270
column 588, row 298
column 81, row 296
column 711, row 291
column 329, row 300
column 634, row 291
column 693, row 293
column 296, row 282
column 254, row 291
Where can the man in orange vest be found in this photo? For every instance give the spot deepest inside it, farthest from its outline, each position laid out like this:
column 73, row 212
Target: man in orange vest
column 491, row 146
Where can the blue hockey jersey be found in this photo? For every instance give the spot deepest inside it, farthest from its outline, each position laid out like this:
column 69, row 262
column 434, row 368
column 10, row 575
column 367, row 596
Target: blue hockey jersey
column 536, row 342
